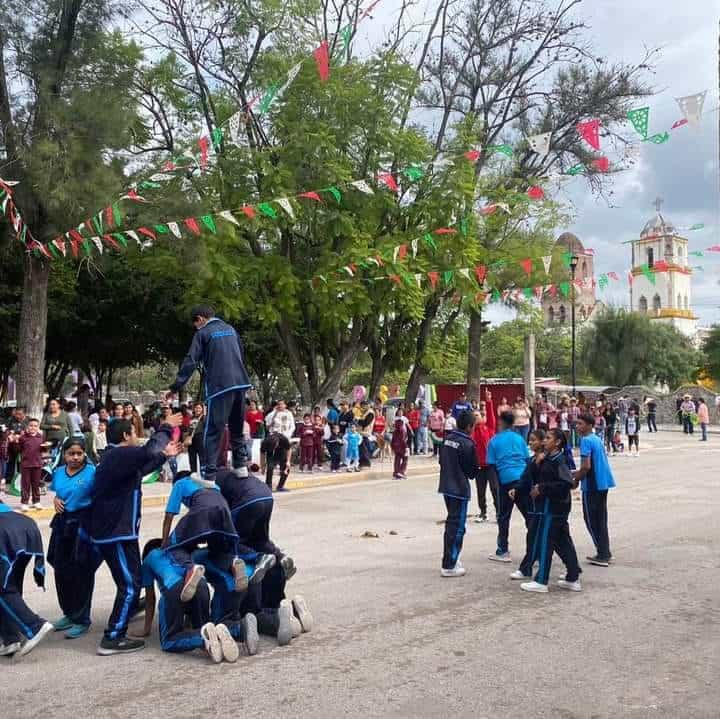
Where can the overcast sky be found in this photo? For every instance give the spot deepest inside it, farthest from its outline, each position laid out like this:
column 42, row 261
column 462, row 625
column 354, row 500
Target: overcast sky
column 683, row 171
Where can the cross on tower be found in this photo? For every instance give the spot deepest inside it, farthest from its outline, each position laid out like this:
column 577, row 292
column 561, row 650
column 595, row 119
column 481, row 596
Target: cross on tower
column 658, row 203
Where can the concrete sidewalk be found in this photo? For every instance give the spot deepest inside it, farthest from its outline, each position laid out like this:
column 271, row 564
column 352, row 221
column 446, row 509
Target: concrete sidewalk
column 156, row 494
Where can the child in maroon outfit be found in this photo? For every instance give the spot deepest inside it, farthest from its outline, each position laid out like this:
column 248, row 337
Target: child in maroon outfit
column 400, row 447
column 30, row 444
column 307, row 443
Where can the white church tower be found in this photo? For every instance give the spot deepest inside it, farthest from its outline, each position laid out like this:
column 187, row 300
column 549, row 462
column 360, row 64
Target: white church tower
column 663, row 254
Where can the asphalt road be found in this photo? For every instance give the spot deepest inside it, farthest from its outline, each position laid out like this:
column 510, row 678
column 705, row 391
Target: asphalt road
column 393, row 639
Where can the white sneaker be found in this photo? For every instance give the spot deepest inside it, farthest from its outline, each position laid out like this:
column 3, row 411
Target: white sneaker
column 500, row 557
column 211, row 642
column 7, row 650
column 517, row 574
column 302, row 612
column 454, row 572
column 24, row 507
column 284, row 632
column 295, row 626
column 228, row 645
column 570, row 586
column 534, row 587
column 36, row 505
column 480, row 519
column 251, row 639
column 30, row 644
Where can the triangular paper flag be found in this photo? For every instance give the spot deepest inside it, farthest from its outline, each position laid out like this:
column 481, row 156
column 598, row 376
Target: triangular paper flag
column 602, row 164
column 692, row 106
column 527, row 265
column 465, row 272
column 334, row 192
column 209, row 222
column 98, row 243
column 540, row 143
column 322, row 59
column 363, row 187
column 387, row 179
column 249, row 211
column 311, row 196
column 447, row 276
column 414, row 245
column 480, row 273
column 267, row 209
column 564, row 288
column 472, row 155
column 175, row 229
column 679, row 123
column 192, row 225
column 433, row 277
column 228, row 217
column 659, row 139
column 639, row 119
column 536, row 193
column 267, row 99
column 547, row 261
column 590, row 132
column 538, row 289
column 233, row 124
column 418, row 279
column 134, row 235
column 292, row 74
column 285, row 204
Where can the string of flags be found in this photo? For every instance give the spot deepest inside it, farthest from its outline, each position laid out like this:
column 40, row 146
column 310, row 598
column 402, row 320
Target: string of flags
column 9, row 209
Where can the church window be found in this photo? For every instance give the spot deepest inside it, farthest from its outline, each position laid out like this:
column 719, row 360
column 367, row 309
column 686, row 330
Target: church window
column 650, row 252
column 584, row 269
column 551, row 315
column 642, row 305
column 668, row 249
column 679, row 301
column 562, row 315
column 687, row 304
column 657, row 304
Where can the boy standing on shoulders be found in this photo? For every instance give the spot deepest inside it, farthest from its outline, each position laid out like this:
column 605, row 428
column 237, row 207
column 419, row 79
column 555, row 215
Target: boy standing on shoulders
column 458, row 464
column 597, row 479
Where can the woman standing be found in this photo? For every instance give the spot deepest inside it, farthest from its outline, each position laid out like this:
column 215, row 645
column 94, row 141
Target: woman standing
column 703, row 415
column 521, row 413
column 70, row 552
column 55, row 424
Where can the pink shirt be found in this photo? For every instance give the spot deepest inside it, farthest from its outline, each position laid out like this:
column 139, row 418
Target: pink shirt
column 703, row 414
column 437, row 420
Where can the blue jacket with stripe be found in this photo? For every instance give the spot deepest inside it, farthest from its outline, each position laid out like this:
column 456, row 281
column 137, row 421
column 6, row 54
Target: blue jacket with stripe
column 458, row 465
column 554, row 482
column 217, row 351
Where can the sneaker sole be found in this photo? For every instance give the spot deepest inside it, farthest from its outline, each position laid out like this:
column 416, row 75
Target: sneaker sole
column 259, row 574
column 569, row 589
column 212, row 642
column 284, row 633
column 302, row 612
column 108, row 652
column 30, row 644
column 228, row 645
column 535, row 591
column 191, row 585
column 495, row 558
column 238, row 571
column 250, row 632
column 288, row 567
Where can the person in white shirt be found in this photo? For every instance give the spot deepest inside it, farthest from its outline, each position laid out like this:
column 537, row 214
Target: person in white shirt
column 281, row 420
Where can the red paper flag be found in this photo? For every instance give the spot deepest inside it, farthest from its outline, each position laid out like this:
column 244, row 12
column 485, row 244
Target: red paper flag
column 614, row 275
column 630, row 277
column 74, row 248
column 169, row 166
column 714, row 248
column 395, row 279
column 590, row 132
column 433, row 277
column 311, row 196
column 204, row 145
column 679, row 123
column 481, row 273
column 536, row 193
column 661, row 266
column 132, row 195
column 473, row 155
column 445, row 231
column 488, row 209
column 526, row 264
column 552, row 289
column 322, row 59
column 148, row 233
column 402, row 252
column 110, row 240
column 192, row 225
column 109, row 218
column 249, row 211
column 60, row 244
column 88, row 226
column 387, row 179
column 602, row 164
column 539, row 291
column 76, row 235
column 578, row 284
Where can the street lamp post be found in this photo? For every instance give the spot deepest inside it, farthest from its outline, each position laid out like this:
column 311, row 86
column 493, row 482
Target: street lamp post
column 573, row 266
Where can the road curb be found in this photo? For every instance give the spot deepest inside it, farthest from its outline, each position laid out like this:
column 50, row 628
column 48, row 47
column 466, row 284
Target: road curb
column 160, row 500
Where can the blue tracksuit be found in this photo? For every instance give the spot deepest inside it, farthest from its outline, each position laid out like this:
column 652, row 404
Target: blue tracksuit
column 217, row 351
column 114, row 521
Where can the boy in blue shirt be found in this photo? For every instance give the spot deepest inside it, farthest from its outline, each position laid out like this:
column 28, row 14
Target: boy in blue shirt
column 597, row 478
column 507, row 456
column 181, row 597
column 114, row 520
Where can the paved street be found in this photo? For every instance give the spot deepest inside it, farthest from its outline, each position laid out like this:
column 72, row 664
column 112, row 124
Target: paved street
column 393, row 639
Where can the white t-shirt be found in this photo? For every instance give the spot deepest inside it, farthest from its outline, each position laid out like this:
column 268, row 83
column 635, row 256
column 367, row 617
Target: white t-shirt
column 450, row 423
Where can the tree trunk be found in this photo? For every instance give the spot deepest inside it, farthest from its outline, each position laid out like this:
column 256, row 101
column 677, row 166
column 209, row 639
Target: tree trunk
column 377, row 373
column 32, row 336
column 419, row 373
column 475, row 331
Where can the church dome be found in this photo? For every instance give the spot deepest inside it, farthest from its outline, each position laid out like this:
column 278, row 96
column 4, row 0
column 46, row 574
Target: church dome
column 573, row 244
column 658, row 225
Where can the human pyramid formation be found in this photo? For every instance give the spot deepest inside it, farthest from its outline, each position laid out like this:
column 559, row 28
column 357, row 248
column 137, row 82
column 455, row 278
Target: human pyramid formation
column 223, row 539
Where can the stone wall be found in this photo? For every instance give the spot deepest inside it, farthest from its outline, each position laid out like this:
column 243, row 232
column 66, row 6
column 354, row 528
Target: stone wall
column 666, row 412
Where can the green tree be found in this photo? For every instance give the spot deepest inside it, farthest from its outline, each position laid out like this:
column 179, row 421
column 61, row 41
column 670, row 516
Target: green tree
column 627, row 348
column 711, row 352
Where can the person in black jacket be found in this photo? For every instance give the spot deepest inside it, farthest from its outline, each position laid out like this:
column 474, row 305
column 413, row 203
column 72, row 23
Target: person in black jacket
column 218, row 351
column 458, row 465
column 549, row 490
column 114, row 518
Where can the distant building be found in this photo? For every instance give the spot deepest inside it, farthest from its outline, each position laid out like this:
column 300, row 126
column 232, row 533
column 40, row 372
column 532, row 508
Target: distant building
column 661, row 284
column 557, row 310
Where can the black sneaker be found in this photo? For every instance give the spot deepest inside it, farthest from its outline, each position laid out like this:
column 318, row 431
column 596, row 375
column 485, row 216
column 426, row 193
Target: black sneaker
column 121, row 645
column 264, row 563
column 598, row 562
column 288, row 566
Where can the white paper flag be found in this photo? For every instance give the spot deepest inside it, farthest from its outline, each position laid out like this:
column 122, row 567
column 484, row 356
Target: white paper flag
column 395, row 254
column 547, row 261
column 285, row 204
column 418, row 279
column 465, row 272
column 362, row 186
column 504, row 207
column 162, row 177
column 692, row 106
column 10, row 183
column 132, row 234
column 175, row 229
column 228, row 217
column 540, row 143
column 233, row 124
column 292, row 74
column 414, row 245
column 98, row 243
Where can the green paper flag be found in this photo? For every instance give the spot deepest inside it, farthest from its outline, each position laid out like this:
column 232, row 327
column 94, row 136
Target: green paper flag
column 430, row 241
column 162, row 229
column 495, row 296
column 209, row 222
column 498, row 265
column 697, row 226
column 217, row 138
column 413, row 173
column 504, row 149
column 576, row 169
column 267, row 99
column 120, row 238
column 659, row 139
column 86, row 246
column 639, row 119
column 53, row 251
column 566, row 258
column 149, row 185
column 527, row 291
column 649, row 274
column 697, row 253
column 346, row 35
column 408, row 278
column 267, row 210
column 603, row 282
column 117, row 217
column 464, row 227
column 334, row 192
column 564, row 288
column 447, row 276
column 97, row 225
